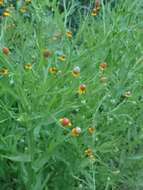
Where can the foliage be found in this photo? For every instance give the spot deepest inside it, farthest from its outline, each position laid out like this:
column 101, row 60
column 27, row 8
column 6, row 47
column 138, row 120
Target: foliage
column 36, row 151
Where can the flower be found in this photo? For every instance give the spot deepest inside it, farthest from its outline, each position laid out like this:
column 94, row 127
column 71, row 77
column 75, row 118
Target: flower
column 1, row 2
column 103, row 66
column 76, row 131
column 88, row 152
column 46, row 53
column 76, row 71
column 5, row 50
column 127, row 94
column 52, row 70
column 23, row 9
column 69, row 34
column 97, row 5
column 3, row 71
column 62, row 57
column 91, row 130
column 65, row 122
column 82, row 89
column 94, row 12
column 6, row 13
column 28, row 66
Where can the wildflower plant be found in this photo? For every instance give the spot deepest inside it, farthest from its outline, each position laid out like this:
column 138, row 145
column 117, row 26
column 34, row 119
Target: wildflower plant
column 71, row 95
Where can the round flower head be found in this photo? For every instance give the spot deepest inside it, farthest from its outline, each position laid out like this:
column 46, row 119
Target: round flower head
column 46, row 53
column 94, row 12
column 69, row 34
column 91, row 130
column 62, row 57
column 1, row 2
column 6, row 13
column 127, row 94
column 82, row 89
column 76, row 131
column 76, row 71
column 5, row 50
column 65, row 122
column 52, row 70
column 28, row 66
column 88, row 152
column 97, row 5
column 23, row 9
column 103, row 66
column 3, row 71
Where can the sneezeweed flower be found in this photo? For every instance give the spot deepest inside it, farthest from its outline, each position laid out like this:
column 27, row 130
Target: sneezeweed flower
column 6, row 13
column 23, row 9
column 62, row 58
column 5, row 50
column 103, row 66
column 65, row 122
column 52, row 70
column 69, row 34
column 82, row 89
column 76, row 71
column 46, row 53
column 88, row 152
column 97, row 5
column 3, row 71
column 1, row 2
column 76, row 131
column 94, row 12
column 28, row 66
column 127, row 94
column 91, row 130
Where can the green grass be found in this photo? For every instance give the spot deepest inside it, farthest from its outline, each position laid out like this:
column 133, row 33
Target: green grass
column 36, row 151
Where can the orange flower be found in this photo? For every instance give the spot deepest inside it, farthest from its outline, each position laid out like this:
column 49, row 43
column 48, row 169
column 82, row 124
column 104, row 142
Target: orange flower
column 76, row 131
column 28, row 66
column 91, row 130
column 53, row 70
column 82, row 89
column 5, row 50
column 3, row 71
column 62, row 58
column 69, row 34
column 103, row 66
column 65, row 122
column 76, row 72
column 46, row 53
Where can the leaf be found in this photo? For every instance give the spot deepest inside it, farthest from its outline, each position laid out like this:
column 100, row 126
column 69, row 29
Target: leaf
column 137, row 157
column 18, row 158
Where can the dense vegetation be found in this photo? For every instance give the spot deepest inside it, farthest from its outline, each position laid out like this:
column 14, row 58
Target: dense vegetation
column 71, row 101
